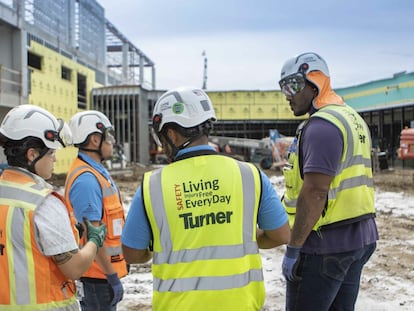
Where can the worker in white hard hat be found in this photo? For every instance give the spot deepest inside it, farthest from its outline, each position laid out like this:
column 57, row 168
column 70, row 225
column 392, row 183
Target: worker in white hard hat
column 90, row 192
column 202, row 217
column 39, row 253
column 329, row 192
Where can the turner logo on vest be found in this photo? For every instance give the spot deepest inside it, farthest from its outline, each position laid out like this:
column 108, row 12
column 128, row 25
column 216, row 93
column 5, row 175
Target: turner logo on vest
column 202, row 193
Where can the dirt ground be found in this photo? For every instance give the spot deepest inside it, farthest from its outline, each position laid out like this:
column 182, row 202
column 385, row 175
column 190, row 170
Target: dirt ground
column 395, row 180
column 393, row 257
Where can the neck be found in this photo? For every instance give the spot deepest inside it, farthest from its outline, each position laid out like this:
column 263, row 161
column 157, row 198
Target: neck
column 203, row 140
column 93, row 155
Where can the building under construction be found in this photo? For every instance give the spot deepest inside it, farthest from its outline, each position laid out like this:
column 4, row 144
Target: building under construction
column 65, row 56
column 55, row 53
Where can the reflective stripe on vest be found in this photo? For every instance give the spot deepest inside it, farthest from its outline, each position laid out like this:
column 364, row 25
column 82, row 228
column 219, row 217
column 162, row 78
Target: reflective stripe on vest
column 112, row 212
column 354, row 178
column 30, row 280
column 169, row 256
column 107, row 189
column 350, row 158
column 228, row 251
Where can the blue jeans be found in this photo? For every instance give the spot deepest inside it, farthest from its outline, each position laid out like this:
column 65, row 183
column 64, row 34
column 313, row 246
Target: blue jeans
column 329, row 282
column 97, row 296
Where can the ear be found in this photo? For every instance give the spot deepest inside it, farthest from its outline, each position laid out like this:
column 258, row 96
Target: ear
column 31, row 154
column 172, row 135
column 95, row 139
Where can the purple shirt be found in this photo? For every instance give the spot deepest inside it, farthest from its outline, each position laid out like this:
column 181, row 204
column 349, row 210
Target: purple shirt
column 321, row 145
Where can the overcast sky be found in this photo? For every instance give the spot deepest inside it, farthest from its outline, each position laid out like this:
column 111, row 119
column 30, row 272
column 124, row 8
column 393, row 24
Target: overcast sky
column 247, row 41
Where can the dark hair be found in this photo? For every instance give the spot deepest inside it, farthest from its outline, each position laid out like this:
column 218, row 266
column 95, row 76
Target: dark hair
column 203, row 128
column 85, row 143
column 15, row 150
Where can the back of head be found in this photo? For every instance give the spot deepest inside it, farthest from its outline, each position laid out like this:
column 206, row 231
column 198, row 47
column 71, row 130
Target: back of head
column 185, row 107
column 85, row 123
column 29, row 126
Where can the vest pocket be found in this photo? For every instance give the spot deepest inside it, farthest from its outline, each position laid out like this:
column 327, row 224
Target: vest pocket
column 290, row 176
column 114, row 222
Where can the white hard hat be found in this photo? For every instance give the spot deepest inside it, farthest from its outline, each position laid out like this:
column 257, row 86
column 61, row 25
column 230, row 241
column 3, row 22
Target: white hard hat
column 84, row 123
column 304, row 63
column 185, row 106
column 33, row 121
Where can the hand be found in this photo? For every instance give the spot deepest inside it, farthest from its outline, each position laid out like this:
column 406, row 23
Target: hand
column 116, row 286
column 95, row 234
column 290, row 262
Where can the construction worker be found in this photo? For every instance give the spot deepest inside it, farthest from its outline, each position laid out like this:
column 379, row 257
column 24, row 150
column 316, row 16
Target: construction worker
column 200, row 215
column 90, row 192
column 329, row 192
column 39, row 254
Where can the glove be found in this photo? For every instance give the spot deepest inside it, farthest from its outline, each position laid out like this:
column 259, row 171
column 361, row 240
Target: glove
column 117, row 288
column 95, row 234
column 290, row 262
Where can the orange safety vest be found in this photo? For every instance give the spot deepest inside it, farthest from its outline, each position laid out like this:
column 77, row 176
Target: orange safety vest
column 29, row 279
column 113, row 217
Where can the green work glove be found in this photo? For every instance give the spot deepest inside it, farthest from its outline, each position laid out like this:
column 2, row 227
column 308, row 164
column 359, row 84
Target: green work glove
column 95, row 234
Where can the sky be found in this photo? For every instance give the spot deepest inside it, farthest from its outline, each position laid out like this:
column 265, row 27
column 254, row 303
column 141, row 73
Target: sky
column 247, row 41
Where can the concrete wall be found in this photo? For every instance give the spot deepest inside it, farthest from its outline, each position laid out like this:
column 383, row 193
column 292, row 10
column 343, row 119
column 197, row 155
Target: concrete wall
column 128, row 110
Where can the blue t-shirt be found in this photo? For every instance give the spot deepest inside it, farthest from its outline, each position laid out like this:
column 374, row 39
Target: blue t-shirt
column 137, row 232
column 322, row 143
column 86, row 193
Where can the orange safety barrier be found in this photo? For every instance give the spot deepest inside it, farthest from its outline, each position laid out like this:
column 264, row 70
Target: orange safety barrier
column 406, row 150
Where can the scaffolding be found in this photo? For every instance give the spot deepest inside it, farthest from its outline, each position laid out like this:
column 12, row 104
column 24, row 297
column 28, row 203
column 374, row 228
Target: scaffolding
column 126, row 61
column 79, row 30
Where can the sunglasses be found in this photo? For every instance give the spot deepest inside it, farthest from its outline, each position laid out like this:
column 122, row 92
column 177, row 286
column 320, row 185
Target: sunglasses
column 293, row 84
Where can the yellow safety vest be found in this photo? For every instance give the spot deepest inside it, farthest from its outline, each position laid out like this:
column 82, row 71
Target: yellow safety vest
column 351, row 193
column 29, row 280
column 113, row 217
column 203, row 215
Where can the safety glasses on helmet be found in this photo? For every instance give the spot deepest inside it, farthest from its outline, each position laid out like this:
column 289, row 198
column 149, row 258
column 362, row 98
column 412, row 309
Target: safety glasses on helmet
column 293, row 84
column 109, row 136
column 107, row 132
column 155, row 129
column 156, row 138
column 63, row 134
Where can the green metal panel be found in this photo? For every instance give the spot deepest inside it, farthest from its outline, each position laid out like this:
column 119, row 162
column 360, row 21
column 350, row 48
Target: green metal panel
column 268, row 105
column 381, row 94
